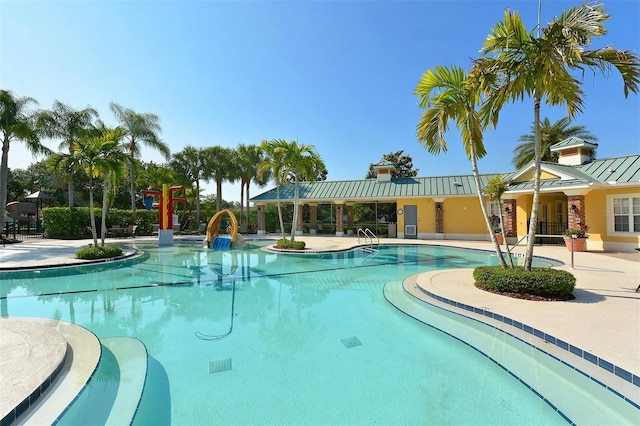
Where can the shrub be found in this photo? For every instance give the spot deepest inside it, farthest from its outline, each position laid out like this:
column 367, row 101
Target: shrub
column 543, row 282
column 104, row 252
column 291, row 245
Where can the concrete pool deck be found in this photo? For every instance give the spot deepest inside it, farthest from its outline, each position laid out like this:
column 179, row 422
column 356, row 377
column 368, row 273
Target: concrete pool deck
column 603, row 319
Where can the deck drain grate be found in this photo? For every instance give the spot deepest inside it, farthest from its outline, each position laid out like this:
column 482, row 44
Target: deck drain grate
column 219, row 366
column 351, row 342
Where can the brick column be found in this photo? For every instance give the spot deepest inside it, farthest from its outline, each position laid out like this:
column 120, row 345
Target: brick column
column 439, row 217
column 576, row 216
column 509, row 217
column 262, row 220
column 339, row 220
column 299, row 224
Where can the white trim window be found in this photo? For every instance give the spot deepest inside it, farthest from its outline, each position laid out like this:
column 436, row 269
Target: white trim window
column 624, row 217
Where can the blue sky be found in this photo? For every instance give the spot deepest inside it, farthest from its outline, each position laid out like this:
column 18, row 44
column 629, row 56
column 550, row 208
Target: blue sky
column 336, row 74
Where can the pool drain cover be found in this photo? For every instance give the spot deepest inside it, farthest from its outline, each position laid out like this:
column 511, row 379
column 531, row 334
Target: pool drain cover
column 351, row 342
column 219, row 366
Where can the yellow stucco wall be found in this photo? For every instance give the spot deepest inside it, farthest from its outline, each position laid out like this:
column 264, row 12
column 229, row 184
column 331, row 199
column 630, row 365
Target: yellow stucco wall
column 463, row 216
column 597, row 211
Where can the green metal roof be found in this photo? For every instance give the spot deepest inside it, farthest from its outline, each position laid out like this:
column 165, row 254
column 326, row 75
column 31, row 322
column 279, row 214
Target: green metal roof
column 618, row 170
column 572, row 142
column 373, row 190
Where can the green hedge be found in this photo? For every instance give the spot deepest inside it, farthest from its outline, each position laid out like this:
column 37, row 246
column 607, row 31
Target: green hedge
column 544, row 282
column 99, row 252
column 75, row 223
column 288, row 244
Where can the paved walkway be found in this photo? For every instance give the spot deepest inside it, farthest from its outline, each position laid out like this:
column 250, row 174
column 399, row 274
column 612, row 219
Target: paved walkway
column 604, row 318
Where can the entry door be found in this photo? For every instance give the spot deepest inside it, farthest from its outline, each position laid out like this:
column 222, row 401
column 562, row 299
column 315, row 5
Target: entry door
column 411, row 222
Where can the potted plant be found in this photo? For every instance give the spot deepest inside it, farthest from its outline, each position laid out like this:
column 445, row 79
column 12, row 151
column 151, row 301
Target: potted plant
column 498, row 233
column 576, row 237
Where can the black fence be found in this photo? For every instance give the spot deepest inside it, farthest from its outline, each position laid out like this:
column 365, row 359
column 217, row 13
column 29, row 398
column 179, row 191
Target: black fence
column 550, row 228
column 21, row 232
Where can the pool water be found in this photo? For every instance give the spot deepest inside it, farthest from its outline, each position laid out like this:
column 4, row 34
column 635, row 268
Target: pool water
column 249, row 337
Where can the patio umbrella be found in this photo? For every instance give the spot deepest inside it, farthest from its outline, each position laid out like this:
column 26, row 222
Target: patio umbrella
column 38, row 195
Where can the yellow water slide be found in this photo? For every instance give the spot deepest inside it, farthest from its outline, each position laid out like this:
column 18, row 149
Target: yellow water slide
column 214, row 223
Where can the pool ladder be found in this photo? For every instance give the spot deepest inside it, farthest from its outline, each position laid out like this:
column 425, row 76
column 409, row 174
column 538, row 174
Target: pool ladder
column 368, row 236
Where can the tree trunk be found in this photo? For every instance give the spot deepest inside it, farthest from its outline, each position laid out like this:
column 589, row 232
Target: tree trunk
column 4, row 173
column 476, row 178
column 132, row 186
column 92, row 213
column 533, row 219
column 198, row 202
column 105, row 198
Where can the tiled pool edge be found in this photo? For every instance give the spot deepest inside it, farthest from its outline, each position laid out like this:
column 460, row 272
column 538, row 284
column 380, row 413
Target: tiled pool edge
column 576, row 351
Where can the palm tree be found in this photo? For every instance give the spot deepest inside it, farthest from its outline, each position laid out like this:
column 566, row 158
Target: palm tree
column 550, row 134
column 17, row 123
column 219, row 166
column 112, row 168
column 69, row 124
column 153, row 176
column 190, row 164
column 273, row 165
column 448, row 94
column 139, row 128
column 516, row 63
column 496, row 187
column 300, row 162
column 94, row 155
column 249, row 159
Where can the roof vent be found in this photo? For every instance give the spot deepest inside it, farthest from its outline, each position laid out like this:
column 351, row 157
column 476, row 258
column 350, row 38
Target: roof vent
column 456, row 183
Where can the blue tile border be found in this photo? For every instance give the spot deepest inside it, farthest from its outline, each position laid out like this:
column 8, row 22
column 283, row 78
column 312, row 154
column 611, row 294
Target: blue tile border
column 605, row 365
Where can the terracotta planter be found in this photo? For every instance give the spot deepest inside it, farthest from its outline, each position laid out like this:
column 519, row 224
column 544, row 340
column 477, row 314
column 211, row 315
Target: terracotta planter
column 579, row 244
column 500, row 239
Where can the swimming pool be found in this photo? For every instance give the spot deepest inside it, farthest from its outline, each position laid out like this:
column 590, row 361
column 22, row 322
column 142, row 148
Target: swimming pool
column 249, row 337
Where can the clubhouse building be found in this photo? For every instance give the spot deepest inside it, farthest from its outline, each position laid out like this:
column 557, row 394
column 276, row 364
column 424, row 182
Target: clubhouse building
column 575, row 192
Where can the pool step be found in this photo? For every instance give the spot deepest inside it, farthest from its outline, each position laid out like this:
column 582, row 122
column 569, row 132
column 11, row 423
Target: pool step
column 82, row 356
column 131, row 355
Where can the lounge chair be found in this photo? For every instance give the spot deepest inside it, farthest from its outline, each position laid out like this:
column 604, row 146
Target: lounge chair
column 131, row 231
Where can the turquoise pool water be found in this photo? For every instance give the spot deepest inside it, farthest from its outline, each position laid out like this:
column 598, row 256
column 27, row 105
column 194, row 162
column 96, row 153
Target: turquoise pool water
column 249, row 337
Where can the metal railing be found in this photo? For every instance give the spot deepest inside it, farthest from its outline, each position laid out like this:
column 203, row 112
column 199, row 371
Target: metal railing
column 368, row 235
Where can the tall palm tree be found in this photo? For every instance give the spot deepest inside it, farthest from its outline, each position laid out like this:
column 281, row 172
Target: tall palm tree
column 515, row 64
column 153, row 176
column 249, row 159
column 94, row 155
column 448, row 94
column 17, row 123
column 219, row 167
column 140, row 128
column 300, row 162
column 113, row 169
column 190, row 164
column 550, row 134
column 69, row 124
column 273, row 166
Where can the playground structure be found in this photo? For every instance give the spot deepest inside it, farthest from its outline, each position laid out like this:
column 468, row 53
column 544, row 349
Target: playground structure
column 165, row 202
column 213, row 239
